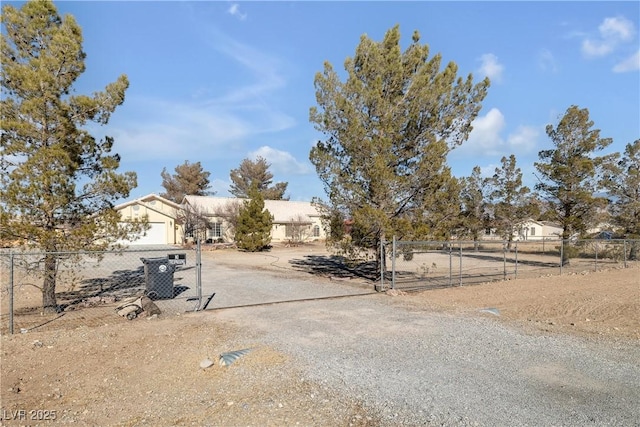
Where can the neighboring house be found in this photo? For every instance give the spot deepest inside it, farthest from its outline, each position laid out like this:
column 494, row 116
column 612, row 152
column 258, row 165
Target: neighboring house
column 530, row 230
column 292, row 221
column 163, row 216
column 539, row 230
column 602, row 227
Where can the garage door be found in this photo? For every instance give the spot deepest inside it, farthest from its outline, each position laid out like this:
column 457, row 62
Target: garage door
column 156, row 235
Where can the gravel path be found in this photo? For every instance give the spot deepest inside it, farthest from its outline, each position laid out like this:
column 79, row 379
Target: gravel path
column 415, row 367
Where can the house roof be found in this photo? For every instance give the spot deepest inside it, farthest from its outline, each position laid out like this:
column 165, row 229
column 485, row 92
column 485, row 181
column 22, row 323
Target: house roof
column 144, row 200
column 283, row 211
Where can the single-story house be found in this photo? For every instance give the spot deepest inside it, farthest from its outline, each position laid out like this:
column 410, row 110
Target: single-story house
column 539, row 230
column 530, row 230
column 292, row 220
column 163, row 216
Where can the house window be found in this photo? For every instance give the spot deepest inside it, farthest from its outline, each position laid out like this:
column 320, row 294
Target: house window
column 288, row 230
column 533, row 231
column 216, row 230
column 316, row 231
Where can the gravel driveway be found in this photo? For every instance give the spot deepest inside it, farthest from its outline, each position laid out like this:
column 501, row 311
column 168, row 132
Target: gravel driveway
column 417, row 367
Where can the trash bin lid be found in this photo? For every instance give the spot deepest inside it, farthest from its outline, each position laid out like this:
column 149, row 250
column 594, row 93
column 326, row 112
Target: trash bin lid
column 157, row 260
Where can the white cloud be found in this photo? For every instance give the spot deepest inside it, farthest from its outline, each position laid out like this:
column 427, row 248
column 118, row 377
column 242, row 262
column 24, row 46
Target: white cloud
column 234, row 10
column 597, row 48
column 612, row 33
column 547, row 61
column 281, row 161
column 265, row 69
column 205, row 127
column 523, row 140
column 490, row 67
column 485, row 135
column 632, row 63
column 617, row 28
column 489, row 170
column 170, row 130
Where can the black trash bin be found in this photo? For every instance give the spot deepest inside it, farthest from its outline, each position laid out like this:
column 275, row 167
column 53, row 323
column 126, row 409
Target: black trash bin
column 158, row 277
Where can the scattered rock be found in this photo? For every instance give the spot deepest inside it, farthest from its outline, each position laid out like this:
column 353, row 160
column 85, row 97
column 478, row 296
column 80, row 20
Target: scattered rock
column 206, row 363
column 149, row 307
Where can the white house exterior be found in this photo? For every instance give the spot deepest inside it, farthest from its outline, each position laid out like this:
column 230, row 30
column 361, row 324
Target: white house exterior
column 531, row 230
column 539, row 230
column 163, row 216
column 292, row 220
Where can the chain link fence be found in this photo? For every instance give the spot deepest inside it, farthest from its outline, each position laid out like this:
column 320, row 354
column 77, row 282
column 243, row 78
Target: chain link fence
column 95, row 288
column 433, row 264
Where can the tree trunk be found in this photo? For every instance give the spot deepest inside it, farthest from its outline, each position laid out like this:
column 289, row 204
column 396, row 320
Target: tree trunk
column 49, row 303
column 566, row 245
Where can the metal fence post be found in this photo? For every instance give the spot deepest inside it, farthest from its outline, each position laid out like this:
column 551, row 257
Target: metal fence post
column 381, row 264
column 11, row 293
column 460, row 272
column 504, row 260
column 199, row 274
column 561, row 255
column 516, row 270
column 393, row 263
column 595, row 266
column 450, row 264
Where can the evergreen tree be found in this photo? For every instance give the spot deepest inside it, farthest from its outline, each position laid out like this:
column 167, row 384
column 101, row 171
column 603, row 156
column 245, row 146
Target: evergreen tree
column 58, row 184
column 568, row 178
column 622, row 181
column 511, row 201
column 189, row 179
column 253, row 230
column 256, row 172
column 389, row 127
column 474, row 199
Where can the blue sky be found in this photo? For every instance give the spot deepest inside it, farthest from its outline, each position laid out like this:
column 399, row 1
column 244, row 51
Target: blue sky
column 217, row 82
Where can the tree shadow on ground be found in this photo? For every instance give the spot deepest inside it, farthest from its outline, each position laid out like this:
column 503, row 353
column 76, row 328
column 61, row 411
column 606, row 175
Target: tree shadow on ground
column 118, row 283
column 336, row 267
column 409, row 282
column 499, row 257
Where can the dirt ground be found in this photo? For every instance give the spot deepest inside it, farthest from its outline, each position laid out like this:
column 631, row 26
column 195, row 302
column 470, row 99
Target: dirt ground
column 118, row 372
column 603, row 304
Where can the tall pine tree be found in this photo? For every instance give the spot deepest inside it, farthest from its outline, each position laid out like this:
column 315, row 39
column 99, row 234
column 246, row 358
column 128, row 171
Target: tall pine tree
column 189, row 179
column 511, row 200
column 58, row 184
column 622, row 182
column 256, row 172
column 389, row 127
column 568, row 173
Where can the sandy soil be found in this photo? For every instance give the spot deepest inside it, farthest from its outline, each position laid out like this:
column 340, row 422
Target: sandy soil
column 119, row 372
column 595, row 304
